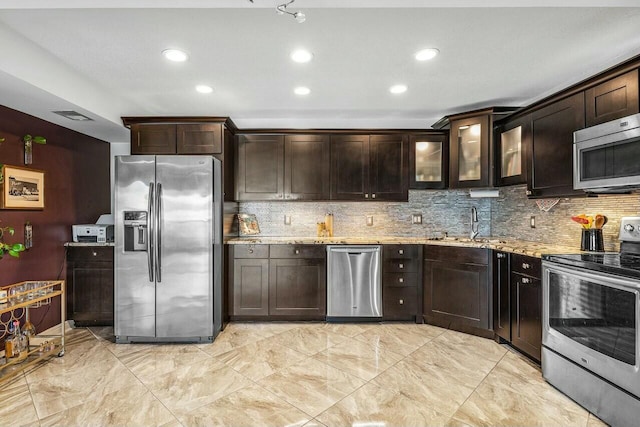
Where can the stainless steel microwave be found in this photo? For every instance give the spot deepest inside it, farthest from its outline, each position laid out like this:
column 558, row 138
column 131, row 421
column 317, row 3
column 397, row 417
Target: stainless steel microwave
column 606, row 157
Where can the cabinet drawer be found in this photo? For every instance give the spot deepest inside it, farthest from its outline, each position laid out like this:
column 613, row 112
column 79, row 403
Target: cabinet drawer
column 399, row 303
column 526, row 265
column 90, row 253
column 251, row 251
column 400, row 279
column 459, row 255
column 400, row 266
column 400, row 251
column 297, row 251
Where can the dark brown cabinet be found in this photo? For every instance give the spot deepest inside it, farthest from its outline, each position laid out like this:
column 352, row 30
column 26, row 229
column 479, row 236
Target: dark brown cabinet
column 428, row 161
column 469, row 161
column 526, row 305
column 279, row 167
column 90, row 285
column 456, row 289
column 260, row 167
column 613, row 99
column 401, row 284
column 164, row 138
column 512, row 140
column 501, row 296
column 278, row 282
column 551, row 153
column 369, row 167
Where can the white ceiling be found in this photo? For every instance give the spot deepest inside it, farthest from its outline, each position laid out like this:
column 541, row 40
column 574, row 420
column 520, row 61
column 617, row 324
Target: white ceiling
column 103, row 60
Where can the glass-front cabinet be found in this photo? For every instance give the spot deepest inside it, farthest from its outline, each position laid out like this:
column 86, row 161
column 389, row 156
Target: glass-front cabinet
column 469, row 143
column 428, row 157
column 510, row 153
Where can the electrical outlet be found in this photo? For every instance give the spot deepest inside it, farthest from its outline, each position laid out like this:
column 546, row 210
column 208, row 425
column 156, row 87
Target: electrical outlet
column 416, row 219
column 287, row 220
column 532, row 221
column 369, row 220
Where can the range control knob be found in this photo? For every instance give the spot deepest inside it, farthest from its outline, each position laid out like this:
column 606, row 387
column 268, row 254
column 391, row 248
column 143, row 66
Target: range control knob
column 628, row 228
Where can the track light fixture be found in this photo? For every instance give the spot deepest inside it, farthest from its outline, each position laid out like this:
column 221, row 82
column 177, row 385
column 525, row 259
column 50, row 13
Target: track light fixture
column 298, row 16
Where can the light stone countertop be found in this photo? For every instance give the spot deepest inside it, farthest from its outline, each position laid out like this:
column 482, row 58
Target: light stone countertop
column 89, row 244
column 534, row 249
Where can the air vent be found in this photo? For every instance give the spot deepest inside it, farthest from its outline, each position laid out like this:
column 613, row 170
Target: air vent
column 74, row 115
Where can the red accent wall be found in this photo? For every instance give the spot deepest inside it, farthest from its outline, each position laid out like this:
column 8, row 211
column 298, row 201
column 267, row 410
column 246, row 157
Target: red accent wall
column 77, row 191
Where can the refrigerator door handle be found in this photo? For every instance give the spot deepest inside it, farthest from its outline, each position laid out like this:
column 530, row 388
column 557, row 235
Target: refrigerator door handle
column 159, row 233
column 150, row 230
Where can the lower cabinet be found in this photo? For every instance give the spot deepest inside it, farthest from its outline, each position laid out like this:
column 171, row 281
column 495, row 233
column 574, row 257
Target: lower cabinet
column 278, row 281
column 90, row 285
column 400, row 282
column 517, row 302
column 456, row 289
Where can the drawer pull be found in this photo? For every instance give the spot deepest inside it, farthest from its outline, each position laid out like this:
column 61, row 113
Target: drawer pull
column 400, row 265
column 401, row 251
column 366, row 196
column 250, row 250
column 525, row 265
column 95, row 253
column 401, row 279
column 525, row 280
column 373, row 196
column 401, row 302
column 297, row 251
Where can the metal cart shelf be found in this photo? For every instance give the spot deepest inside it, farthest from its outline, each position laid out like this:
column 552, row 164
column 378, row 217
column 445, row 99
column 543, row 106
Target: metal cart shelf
column 20, row 298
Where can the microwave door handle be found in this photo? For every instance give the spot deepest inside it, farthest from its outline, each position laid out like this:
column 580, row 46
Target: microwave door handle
column 159, row 221
column 150, row 229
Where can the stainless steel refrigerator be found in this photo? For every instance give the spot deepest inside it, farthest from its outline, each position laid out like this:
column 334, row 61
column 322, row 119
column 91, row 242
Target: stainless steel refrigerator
column 168, row 249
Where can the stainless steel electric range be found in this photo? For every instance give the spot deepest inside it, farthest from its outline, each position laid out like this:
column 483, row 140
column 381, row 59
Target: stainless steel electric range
column 591, row 327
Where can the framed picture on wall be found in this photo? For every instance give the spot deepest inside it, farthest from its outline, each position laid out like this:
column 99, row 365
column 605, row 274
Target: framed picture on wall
column 22, row 188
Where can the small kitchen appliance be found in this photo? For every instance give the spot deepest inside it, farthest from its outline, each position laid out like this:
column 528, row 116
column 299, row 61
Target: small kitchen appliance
column 591, row 327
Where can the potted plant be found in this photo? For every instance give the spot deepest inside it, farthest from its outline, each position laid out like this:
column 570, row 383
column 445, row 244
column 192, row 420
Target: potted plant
column 12, row 249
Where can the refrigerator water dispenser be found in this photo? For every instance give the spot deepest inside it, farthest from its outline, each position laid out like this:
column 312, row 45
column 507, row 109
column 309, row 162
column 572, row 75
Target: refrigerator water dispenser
column 135, row 231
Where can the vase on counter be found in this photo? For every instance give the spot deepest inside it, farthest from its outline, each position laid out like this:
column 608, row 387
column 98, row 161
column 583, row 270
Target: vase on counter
column 592, row 240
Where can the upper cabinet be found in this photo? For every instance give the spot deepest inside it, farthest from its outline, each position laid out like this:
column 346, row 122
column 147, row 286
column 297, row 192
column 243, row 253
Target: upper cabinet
column 282, row 167
column 613, row 99
column 365, row 167
column 428, row 161
column 162, row 138
column 551, row 154
column 511, row 142
column 469, row 145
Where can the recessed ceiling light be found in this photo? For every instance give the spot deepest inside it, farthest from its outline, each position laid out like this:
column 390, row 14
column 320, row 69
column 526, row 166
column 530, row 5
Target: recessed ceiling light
column 74, row 115
column 302, row 90
column 426, row 54
column 175, row 55
column 204, row 89
column 396, row 89
column 301, row 56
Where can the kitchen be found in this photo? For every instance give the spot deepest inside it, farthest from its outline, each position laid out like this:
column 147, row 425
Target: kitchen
column 79, row 189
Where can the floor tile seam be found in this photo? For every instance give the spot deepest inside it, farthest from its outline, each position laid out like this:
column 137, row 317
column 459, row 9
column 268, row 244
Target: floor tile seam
column 33, row 402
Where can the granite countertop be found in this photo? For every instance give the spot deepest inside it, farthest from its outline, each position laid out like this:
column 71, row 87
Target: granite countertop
column 89, row 244
column 534, row 249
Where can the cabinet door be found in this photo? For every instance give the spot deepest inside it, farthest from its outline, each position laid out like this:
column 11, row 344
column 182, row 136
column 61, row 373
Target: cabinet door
column 501, row 296
column 199, row 139
column 260, row 167
column 511, row 152
column 469, row 148
column 428, row 161
column 90, row 285
column 350, row 167
column 153, row 139
column 388, row 167
column 251, row 287
column 456, row 293
column 612, row 99
column 552, row 127
column 297, row 287
column 526, row 315
column 399, row 303
column 306, row 167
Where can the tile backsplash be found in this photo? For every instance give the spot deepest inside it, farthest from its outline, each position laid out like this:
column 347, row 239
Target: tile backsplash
column 448, row 210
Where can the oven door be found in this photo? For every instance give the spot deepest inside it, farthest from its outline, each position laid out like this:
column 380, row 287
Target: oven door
column 592, row 319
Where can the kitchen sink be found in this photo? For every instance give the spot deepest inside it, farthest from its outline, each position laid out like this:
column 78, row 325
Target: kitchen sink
column 468, row 240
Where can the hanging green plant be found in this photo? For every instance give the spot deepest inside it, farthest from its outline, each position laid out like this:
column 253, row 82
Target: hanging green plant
column 12, row 249
column 1, row 139
column 37, row 139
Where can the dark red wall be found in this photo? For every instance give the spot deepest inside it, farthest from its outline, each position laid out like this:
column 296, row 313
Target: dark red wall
column 77, row 191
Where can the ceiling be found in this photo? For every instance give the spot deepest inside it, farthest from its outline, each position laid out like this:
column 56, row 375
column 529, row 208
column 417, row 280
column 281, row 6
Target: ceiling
column 105, row 61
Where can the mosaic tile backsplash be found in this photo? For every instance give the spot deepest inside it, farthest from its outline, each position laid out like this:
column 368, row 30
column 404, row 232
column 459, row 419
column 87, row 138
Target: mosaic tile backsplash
column 448, row 211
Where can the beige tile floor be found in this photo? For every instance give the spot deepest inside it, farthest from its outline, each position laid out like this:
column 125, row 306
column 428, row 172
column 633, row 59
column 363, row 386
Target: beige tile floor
column 290, row 374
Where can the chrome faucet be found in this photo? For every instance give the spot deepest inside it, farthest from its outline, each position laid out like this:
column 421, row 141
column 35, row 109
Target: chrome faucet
column 474, row 223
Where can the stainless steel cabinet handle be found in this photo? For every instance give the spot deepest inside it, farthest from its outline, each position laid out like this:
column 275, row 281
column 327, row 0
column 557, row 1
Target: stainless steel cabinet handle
column 401, row 279
column 401, row 302
column 150, row 229
column 94, row 253
column 297, row 251
column 400, row 265
column 373, row 196
column 366, row 196
column 499, row 255
column 159, row 233
column 250, row 250
column 525, row 280
column 400, row 251
column 525, row 265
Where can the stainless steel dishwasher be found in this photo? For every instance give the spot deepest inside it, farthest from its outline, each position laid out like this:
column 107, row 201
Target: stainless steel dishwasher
column 354, row 284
